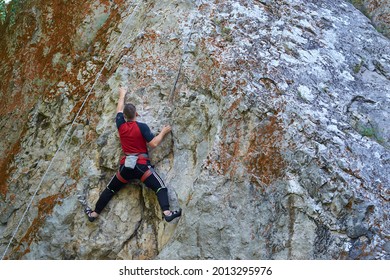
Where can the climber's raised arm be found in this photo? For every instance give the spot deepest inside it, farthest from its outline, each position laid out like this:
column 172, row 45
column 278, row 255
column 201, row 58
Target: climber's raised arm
column 121, row 100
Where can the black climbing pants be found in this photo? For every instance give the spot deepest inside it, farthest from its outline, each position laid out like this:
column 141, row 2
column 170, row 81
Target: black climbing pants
column 153, row 182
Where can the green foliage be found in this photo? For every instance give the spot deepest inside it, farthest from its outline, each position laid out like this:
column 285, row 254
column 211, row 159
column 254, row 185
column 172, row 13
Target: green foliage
column 358, row 67
column 10, row 10
column 379, row 26
column 382, row 28
column 224, row 30
column 359, row 4
column 13, row 10
column 227, row 34
column 367, row 131
column 3, row 11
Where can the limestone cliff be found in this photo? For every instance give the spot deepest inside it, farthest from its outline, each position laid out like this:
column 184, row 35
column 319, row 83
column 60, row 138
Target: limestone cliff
column 280, row 141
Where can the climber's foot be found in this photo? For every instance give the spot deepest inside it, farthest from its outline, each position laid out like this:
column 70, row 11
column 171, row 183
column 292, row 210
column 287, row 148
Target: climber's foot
column 172, row 215
column 92, row 215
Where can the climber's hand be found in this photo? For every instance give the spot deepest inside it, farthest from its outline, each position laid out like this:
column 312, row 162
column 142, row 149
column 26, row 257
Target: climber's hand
column 122, row 91
column 166, row 129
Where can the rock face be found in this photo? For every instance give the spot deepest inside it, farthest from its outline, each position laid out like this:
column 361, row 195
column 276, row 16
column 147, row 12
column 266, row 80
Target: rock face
column 280, row 141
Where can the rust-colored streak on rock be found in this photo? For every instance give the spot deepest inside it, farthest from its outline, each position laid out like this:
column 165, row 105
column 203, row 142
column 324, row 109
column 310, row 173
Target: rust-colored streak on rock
column 265, row 161
column 230, row 151
column 35, row 47
column 28, row 70
column 45, row 209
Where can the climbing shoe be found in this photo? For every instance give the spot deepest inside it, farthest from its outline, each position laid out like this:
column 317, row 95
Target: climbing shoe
column 173, row 215
column 89, row 212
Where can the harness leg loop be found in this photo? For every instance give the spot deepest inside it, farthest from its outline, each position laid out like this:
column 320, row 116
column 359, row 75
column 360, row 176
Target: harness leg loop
column 146, row 175
column 120, row 178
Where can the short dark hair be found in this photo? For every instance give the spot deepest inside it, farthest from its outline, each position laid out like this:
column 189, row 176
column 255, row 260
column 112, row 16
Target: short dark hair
column 129, row 111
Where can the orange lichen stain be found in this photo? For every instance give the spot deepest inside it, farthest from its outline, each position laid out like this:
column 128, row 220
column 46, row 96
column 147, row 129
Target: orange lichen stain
column 29, row 63
column 28, row 71
column 12, row 197
column 265, row 161
column 204, row 7
column 150, row 35
column 45, row 209
column 27, row 59
column 230, row 152
column 74, row 171
column 230, row 148
column 90, row 136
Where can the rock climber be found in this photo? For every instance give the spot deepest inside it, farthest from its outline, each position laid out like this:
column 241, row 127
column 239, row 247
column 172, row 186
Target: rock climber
column 135, row 137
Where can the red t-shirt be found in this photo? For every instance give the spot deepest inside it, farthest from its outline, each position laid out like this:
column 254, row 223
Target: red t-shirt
column 133, row 136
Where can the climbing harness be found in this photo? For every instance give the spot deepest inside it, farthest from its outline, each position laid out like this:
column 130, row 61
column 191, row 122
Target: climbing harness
column 120, row 178
column 143, row 178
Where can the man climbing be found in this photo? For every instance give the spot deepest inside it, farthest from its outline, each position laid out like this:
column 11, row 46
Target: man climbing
column 134, row 137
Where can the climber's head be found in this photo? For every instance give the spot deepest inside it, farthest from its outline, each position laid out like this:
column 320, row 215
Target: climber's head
column 130, row 111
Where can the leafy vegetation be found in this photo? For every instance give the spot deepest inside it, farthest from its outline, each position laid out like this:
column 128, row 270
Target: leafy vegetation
column 359, row 4
column 358, row 67
column 3, row 11
column 9, row 10
column 367, row 131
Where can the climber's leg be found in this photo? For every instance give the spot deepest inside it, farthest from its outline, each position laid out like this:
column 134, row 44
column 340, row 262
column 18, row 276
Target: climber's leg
column 116, row 183
column 153, row 181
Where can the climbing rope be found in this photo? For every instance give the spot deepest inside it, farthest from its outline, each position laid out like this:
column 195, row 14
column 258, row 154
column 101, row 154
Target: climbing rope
column 83, row 104
column 68, row 131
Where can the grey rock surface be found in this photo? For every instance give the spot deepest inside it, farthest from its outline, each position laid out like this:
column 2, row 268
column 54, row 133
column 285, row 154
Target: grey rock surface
column 280, row 140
